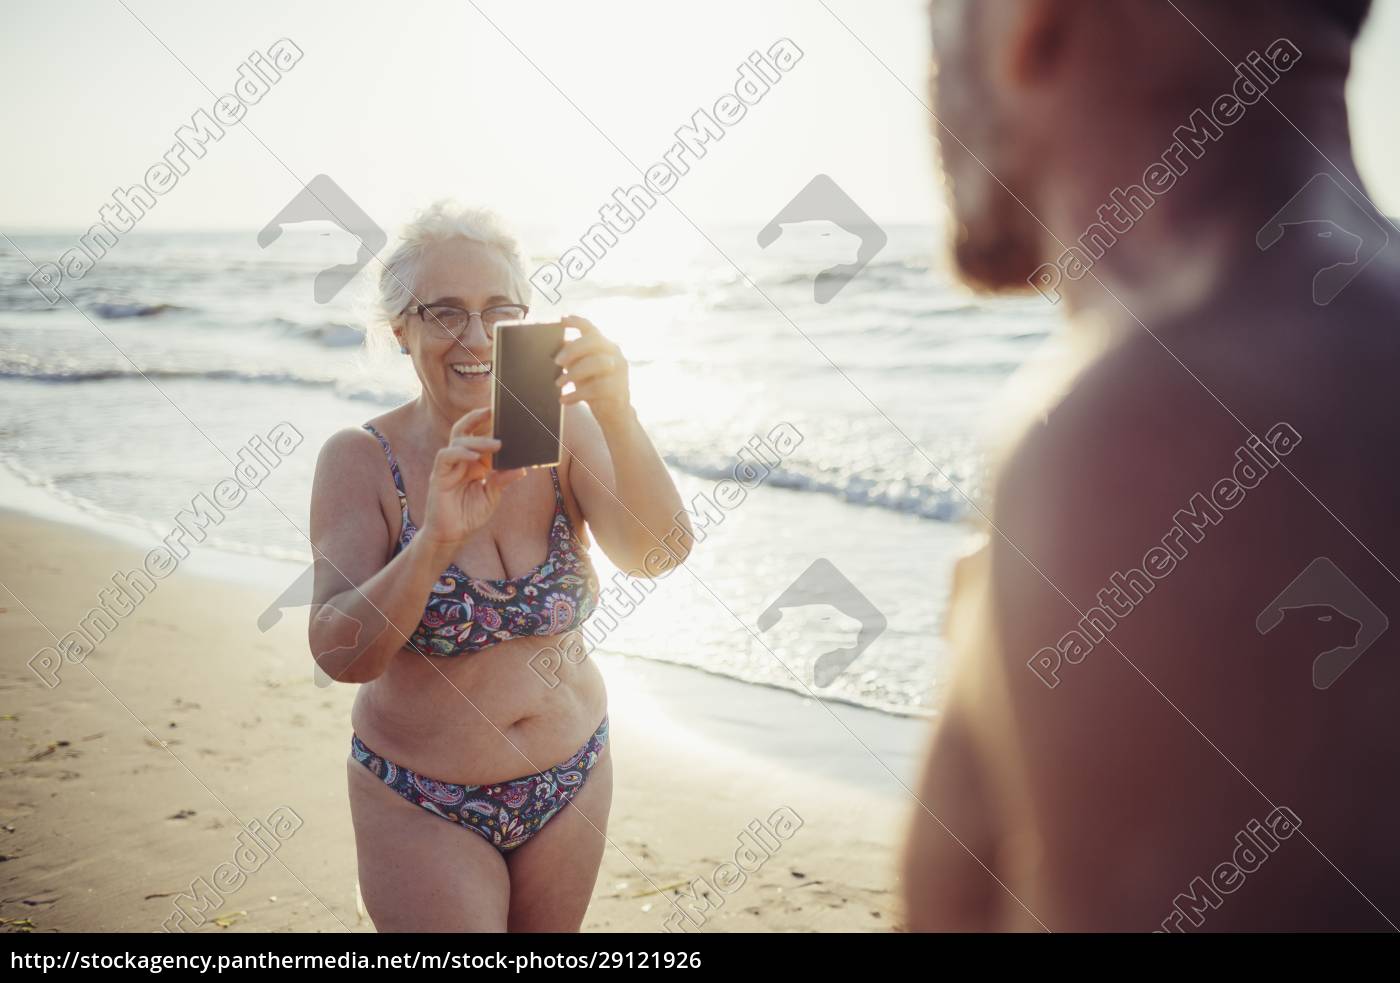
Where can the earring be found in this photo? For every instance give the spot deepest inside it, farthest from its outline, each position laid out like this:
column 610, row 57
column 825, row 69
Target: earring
column 403, row 349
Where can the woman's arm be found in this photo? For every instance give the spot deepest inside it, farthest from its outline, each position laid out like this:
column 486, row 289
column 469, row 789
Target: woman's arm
column 364, row 611
column 622, row 485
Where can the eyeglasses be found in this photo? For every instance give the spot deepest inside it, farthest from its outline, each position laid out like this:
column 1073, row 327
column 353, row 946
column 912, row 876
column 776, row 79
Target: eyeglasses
column 450, row 323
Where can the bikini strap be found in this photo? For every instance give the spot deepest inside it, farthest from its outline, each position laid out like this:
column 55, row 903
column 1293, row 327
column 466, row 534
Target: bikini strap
column 398, row 478
column 559, row 509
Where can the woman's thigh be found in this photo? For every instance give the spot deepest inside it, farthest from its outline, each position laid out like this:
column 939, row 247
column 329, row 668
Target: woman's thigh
column 553, row 875
column 420, row 872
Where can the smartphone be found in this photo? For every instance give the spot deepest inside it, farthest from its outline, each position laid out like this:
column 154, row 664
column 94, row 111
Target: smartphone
column 526, row 415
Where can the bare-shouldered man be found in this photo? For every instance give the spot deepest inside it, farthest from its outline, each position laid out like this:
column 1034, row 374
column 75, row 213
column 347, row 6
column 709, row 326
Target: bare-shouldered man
column 1176, row 699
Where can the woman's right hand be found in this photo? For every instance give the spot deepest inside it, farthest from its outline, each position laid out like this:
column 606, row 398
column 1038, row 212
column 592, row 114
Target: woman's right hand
column 463, row 491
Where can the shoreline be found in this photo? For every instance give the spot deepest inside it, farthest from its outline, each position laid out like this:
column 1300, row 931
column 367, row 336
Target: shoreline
column 129, row 780
column 222, row 560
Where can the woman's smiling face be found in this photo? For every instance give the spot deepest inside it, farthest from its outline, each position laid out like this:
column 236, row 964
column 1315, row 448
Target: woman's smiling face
column 456, row 374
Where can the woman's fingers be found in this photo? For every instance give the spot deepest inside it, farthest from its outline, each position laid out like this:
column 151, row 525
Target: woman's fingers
column 476, row 443
column 581, row 348
column 591, row 390
column 453, row 454
column 478, row 421
column 490, row 486
column 589, row 342
column 446, row 463
column 585, row 327
column 588, row 367
column 453, row 464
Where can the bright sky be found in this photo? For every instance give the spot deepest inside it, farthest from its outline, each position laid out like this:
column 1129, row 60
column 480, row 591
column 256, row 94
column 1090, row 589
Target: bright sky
column 403, row 103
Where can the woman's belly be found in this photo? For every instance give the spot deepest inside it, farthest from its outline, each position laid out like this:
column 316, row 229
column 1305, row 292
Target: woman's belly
column 485, row 717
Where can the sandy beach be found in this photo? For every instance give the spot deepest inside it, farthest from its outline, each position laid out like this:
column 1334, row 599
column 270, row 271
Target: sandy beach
column 129, row 781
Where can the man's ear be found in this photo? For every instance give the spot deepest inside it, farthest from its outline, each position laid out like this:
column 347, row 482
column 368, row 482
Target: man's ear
column 1037, row 34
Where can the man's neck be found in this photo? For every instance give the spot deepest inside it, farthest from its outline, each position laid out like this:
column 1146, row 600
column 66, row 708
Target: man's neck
column 1179, row 253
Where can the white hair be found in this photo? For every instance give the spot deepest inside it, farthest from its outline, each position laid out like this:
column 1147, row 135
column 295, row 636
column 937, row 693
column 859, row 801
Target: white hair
column 442, row 221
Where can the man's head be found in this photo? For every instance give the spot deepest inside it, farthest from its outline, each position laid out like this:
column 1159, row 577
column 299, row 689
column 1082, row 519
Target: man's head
column 1032, row 95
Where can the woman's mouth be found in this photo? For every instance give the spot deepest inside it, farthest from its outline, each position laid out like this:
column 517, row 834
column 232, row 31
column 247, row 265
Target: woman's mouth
column 472, row 370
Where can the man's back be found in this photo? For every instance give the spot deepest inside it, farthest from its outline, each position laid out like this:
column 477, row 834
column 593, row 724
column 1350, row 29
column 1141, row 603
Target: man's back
column 1187, row 554
column 1173, row 699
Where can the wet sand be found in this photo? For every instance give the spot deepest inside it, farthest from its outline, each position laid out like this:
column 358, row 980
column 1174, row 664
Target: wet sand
column 134, row 778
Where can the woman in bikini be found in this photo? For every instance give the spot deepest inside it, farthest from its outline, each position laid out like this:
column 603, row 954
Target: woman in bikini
column 480, row 777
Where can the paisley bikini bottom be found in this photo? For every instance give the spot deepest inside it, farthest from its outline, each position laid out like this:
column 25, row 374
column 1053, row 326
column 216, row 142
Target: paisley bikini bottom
column 506, row 814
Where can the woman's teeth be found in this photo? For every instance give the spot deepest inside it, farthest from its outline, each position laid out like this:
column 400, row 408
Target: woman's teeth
column 473, row 369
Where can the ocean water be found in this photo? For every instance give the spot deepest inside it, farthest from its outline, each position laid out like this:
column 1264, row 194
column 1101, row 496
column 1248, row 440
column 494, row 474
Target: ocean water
column 180, row 349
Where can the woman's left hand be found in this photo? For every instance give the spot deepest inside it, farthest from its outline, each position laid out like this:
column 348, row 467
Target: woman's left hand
column 598, row 371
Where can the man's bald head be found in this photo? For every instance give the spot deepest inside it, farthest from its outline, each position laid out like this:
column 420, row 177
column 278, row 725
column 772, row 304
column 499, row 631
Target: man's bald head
column 1030, row 95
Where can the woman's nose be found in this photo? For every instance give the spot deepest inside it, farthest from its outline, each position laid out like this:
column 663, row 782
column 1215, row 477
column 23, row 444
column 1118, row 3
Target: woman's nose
column 476, row 334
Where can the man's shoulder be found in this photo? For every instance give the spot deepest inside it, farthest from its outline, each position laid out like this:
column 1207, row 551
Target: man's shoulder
column 1133, row 422
column 1168, row 405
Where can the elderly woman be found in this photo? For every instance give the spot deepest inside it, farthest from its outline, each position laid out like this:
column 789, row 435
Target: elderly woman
column 438, row 580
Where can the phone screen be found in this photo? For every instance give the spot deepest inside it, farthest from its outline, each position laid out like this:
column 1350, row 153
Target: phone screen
column 527, row 417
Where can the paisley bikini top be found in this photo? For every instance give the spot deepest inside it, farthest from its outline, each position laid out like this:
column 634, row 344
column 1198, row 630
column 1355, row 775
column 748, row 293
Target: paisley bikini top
column 467, row 614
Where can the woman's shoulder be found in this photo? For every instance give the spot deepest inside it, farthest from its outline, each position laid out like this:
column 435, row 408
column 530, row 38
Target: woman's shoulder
column 350, row 440
column 350, row 452
column 368, row 438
